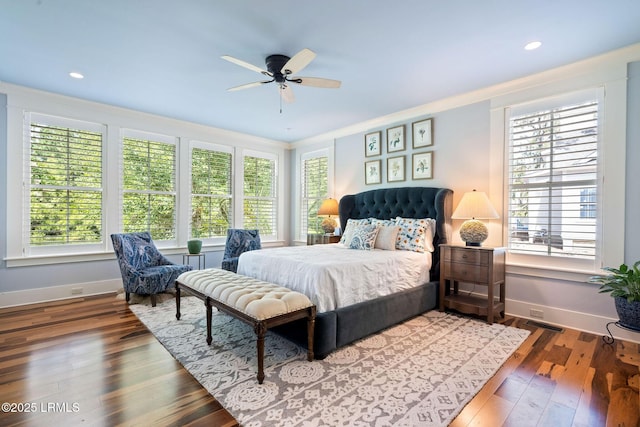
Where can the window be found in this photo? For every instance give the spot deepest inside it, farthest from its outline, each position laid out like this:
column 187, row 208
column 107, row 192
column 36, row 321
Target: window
column 65, row 182
column 314, row 190
column 260, row 203
column 149, row 189
column 553, row 178
column 211, row 193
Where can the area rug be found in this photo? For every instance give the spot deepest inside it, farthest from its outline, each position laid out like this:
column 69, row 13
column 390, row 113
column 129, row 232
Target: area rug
column 419, row 373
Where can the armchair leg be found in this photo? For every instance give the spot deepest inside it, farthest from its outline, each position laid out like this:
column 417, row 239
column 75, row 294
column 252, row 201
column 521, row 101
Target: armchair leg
column 153, row 300
column 127, row 296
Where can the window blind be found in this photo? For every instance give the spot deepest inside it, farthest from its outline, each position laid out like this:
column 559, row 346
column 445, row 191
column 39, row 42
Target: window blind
column 260, row 195
column 149, row 197
column 314, row 191
column 553, row 185
column 211, row 193
column 65, row 193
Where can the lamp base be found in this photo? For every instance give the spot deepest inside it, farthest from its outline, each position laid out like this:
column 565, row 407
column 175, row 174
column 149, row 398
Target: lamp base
column 329, row 225
column 473, row 232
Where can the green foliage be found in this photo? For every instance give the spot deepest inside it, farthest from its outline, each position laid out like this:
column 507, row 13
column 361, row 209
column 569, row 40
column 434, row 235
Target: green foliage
column 622, row 282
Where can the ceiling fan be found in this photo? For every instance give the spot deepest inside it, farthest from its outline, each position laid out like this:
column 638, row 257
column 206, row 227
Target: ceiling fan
column 281, row 68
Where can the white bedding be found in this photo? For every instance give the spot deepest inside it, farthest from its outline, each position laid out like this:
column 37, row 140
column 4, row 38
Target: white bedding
column 333, row 276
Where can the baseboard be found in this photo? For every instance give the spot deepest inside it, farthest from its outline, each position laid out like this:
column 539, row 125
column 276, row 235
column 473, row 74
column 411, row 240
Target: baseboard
column 570, row 319
column 53, row 293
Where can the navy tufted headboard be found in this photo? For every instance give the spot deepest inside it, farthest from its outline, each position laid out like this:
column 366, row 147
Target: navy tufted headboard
column 407, row 202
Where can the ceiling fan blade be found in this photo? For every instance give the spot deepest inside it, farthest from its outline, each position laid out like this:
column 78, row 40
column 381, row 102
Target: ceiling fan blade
column 246, row 65
column 248, row 85
column 298, row 61
column 317, row 82
column 287, row 94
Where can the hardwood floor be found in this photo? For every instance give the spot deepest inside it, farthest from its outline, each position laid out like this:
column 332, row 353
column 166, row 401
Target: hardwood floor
column 90, row 361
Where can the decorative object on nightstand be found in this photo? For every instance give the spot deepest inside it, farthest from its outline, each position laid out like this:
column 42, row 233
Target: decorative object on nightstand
column 328, row 208
column 475, row 205
column 477, row 265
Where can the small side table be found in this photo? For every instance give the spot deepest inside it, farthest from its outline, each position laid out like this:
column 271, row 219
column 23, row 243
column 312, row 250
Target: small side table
column 186, row 259
column 472, row 264
column 321, row 239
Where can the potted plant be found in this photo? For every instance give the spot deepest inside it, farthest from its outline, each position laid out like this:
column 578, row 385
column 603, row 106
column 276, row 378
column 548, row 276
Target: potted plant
column 624, row 286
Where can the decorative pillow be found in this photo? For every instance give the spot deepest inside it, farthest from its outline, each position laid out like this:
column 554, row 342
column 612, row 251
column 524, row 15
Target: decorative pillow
column 386, row 239
column 364, row 237
column 411, row 236
column 429, row 226
column 348, row 230
column 383, row 222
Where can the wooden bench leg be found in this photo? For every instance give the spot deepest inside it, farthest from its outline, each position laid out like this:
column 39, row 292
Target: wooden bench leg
column 260, row 332
column 311, row 321
column 209, row 316
column 177, row 301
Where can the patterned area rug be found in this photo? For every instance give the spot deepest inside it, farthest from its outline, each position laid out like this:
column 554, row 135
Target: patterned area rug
column 419, row 373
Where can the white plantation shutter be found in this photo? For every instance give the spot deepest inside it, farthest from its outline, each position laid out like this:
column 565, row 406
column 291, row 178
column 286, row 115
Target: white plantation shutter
column 314, row 191
column 211, row 193
column 553, row 179
column 65, row 182
column 260, row 198
column 149, row 185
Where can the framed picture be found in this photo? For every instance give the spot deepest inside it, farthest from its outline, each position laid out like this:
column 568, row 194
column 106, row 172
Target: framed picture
column 372, row 142
column 422, row 165
column 372, row 172
column 395, row 169
column 395, row 139
column 422, row 133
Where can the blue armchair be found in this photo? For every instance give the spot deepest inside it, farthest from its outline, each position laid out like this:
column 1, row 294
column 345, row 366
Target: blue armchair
column 239, row 241
column 144, row 269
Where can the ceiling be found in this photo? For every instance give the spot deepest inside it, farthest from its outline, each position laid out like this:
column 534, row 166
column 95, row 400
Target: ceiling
column 164, row 56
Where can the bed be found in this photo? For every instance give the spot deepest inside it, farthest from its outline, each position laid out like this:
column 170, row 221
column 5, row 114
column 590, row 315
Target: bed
column 389, row 298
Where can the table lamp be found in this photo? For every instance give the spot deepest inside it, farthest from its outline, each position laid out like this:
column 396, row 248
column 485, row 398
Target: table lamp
column 475, row 205
column 328, row 208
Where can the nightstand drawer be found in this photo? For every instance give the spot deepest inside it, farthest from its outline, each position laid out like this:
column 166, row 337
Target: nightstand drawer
column 467, row 272
column 467, row 256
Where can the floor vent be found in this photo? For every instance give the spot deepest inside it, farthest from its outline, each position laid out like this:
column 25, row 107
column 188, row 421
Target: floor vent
column 544, row 326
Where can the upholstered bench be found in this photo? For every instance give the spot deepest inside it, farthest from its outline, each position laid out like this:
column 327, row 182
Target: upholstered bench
column 261, row 304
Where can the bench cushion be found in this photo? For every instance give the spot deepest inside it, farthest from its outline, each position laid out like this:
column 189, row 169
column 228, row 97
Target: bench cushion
column 261, row 300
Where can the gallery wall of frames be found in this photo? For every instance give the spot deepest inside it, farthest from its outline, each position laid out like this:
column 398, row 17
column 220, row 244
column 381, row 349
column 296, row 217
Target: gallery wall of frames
column 391, row 147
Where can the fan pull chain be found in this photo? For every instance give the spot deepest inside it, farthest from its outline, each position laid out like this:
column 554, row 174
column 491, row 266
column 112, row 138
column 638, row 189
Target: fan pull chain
column 280, row 96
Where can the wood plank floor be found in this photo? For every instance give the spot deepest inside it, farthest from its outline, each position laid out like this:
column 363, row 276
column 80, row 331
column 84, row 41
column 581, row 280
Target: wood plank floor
column 90, row 361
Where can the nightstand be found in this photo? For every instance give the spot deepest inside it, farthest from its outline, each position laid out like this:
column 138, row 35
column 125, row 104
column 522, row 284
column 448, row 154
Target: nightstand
column 478, row 265
column 321, row 239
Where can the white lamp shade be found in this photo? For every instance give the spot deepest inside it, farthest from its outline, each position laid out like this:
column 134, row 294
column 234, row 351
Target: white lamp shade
column 475, row 205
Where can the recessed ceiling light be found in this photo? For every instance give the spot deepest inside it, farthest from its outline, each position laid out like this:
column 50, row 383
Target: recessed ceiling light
column 76, row 75
column 533, row 45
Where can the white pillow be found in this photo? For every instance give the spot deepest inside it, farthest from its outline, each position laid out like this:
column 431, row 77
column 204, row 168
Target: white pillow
column 386, row 239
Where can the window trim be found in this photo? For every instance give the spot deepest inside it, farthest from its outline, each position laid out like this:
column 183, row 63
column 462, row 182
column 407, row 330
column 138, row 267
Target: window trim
column 303, row 154
column 56, row 250
column 546, row 105
column 613, row 122
column 160, row 138
column 210, row 147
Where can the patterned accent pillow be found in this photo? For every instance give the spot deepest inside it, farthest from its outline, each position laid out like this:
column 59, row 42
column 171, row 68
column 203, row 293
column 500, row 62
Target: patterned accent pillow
column 429, row 226
column 348, row 230
column 411, row 236
column 386, row 239
column 364, row 237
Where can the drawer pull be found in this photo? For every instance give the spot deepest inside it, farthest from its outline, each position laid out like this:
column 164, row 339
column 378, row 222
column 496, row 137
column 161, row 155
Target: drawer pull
column 464, row 256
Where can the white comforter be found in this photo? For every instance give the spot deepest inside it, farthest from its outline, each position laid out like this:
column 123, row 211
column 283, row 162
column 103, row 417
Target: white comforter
column 333, row 276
